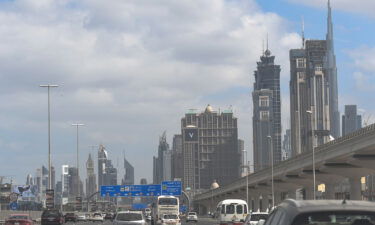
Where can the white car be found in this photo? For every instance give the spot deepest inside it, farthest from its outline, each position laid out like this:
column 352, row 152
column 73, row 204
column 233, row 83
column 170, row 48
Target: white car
column 97, row 217
column 254, row 217
column 192, row 216
column 81, row 217
column 170, row 219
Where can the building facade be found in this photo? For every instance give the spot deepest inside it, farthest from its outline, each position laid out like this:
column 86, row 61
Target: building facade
column 158, row 162
column 107, row 173
column 91, row 187
column 210, row 148
column 177, row 158
column 266, row 112
column 313, row 93
column 351, row 121
column 129, row 173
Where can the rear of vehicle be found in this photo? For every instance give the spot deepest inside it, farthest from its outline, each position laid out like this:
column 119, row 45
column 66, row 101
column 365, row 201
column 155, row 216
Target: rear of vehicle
column 19, row 219
column 52, row 217
column 192, row 216
column 255, row 217
column 171, row 219
column 97, row 217
column 81, row 217
column 108, row 216
column 129, row 218
column 70, row 217
column 231, row 212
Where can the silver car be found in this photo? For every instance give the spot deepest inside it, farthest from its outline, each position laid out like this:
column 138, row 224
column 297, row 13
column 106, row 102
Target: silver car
column 129, row 217
column 322, row 212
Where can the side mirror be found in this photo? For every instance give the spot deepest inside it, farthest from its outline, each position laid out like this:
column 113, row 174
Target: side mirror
column 261, row 222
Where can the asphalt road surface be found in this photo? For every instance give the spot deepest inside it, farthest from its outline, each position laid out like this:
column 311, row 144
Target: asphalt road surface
column 201, row 221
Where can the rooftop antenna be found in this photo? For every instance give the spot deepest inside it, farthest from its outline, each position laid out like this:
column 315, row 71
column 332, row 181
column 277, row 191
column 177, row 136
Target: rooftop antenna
column 267, row 41
column 263, row 47
column 303, row 32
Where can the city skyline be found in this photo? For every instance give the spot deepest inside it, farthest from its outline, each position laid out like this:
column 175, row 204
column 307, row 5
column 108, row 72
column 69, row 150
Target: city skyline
column 107, row 97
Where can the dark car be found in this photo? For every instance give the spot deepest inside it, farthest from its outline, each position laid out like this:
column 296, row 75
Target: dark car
column 70, row 217
column 52, row 217
column 108, row 216
column 322, row 212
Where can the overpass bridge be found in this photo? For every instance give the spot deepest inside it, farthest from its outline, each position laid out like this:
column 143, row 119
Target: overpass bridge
column 351, row 156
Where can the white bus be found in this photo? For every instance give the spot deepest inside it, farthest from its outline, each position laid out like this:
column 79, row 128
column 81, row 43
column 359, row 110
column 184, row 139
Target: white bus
column 231, row 211
column 165, row 205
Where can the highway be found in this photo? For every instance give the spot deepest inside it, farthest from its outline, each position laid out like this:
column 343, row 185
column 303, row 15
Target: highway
column 201, row 221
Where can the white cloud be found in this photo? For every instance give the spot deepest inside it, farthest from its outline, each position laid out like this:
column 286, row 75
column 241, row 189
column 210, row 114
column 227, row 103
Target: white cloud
column 129, row 69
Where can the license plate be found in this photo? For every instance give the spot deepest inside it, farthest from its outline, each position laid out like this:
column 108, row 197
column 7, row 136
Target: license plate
column 51, row 219
column 16, row 223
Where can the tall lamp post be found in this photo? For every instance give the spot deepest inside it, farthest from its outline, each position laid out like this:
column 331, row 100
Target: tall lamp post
column 272, row 186
column 48, row 86
column 78, row 186
column 313, row 151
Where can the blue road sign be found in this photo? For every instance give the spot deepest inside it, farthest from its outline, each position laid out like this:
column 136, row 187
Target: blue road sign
column 13, row 206
column 171, row 188
column 131, row 190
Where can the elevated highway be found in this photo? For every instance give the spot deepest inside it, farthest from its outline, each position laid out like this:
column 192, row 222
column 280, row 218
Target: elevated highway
column 351, row 156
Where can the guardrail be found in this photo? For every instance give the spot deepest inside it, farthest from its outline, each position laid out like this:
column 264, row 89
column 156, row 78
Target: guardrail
column 282, row 166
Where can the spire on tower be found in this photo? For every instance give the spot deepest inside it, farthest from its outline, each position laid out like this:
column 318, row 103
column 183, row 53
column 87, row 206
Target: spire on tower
column 303, row 32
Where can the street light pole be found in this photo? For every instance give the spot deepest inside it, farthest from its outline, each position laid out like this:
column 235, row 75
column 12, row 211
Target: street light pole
column 78, row 186
column 272, row 186
column 247, row 177
column 48, row 86
column 313, row 151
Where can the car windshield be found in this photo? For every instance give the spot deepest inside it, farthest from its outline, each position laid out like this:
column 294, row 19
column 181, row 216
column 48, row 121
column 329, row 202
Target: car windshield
column 18, row 217
column 167, row 201
column 257, row 217
column 128, row 216
column 170, row 217
column 331, row 218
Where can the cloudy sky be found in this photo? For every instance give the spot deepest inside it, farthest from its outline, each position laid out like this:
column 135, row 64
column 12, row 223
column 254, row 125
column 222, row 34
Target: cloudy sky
column 130, row 69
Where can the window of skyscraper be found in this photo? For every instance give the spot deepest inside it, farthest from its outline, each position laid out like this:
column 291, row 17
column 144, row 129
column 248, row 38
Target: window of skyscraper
column 263, row 101
column 264, row 115
column 301, row 62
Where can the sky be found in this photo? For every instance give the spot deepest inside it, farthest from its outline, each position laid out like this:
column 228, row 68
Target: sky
column 129, row 70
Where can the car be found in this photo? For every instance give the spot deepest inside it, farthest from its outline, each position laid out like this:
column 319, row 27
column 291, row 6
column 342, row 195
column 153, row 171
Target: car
column 82, row 217
column 129, row 217
column 52, row 217
column 19, row 219
column 192, row 216
column 254, row 218
column 108, row 216
column 70, row 217
column 322, row 212
column 170, row 219
column 97, row 217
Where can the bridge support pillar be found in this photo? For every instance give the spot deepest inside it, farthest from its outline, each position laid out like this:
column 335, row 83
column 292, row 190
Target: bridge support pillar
column 355, row 188
column 309, row 193
column 278, row 198
column 265, row 202
column 329, row 191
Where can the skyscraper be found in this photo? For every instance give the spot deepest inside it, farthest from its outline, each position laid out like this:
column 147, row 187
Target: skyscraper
column 129, row 173
column 210, row 150
column 287, row 148
column 91, row 187
column 313, row 93
column 65, row 180
column 107, row 173
column 177, row 160
column 267, row 112
column 351, row 121
column 158, row 161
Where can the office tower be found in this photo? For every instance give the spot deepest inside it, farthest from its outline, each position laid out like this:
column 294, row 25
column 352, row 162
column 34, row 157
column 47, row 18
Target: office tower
column 177, row 160
column 313, row 93
column 65, row 180
column 287, row 148
column 29, row 180
column 44, row 179
column 143, row 181
column 158, row 161
column 210, row 150
column 129, row 173
column 351, row 121
column 102, row 159
column 331, row 70
column 74, row 182
column 267, row 112
column 110, row 176
column 167, row 165
column 243, row 153
column 91, row 177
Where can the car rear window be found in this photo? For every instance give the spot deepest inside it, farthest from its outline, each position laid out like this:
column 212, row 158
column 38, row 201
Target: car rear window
column 18, row 217
column 51, row 213
column 257, row 217
column 339, row 217
column 170, row 216
column 128, row 216
column 192, row 214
